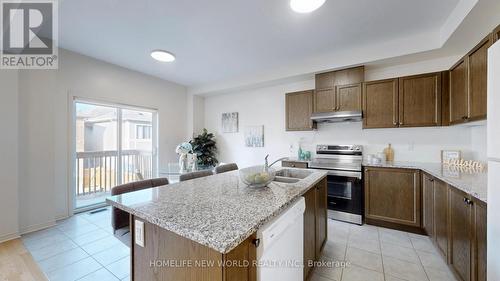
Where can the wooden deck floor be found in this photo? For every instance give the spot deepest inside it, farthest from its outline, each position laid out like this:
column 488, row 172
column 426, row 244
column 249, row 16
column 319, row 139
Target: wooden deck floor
column 16, row 263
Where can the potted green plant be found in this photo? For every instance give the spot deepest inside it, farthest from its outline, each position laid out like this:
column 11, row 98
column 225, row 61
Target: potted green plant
column 205, row 148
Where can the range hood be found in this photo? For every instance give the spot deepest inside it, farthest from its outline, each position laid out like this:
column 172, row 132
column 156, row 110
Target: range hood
column 339, row 116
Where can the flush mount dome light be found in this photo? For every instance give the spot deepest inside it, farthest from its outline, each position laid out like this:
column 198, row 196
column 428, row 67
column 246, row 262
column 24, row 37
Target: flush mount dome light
column 305, row 6
column 163, row 56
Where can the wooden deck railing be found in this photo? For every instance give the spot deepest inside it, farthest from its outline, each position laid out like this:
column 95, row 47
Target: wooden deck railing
column 97, row 171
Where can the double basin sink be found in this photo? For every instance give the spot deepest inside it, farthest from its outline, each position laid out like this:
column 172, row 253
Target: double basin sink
column 291, row 175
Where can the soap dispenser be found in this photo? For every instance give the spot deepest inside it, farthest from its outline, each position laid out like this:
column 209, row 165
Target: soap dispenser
column 389, row 153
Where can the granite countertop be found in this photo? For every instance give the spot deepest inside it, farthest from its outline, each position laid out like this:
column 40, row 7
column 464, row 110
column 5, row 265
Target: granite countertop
column 296, row 159
column 217, row 211
column 475, row 184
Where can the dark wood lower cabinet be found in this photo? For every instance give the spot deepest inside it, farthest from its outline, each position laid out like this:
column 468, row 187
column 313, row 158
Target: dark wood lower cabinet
column 460, row 234
column 294, row 164
column 309, row 231
column 321, row 217
column 393, row 196
column 315, row 225
column 479, row 247
column 428, row 205
column 441, row 217
column 165, row 246
column 455, row 221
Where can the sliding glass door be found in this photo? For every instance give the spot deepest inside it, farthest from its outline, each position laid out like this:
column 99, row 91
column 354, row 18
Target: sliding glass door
column 114, row 144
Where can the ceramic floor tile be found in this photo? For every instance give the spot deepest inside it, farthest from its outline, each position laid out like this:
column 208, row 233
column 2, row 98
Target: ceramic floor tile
column 44, row 241
column 355, row 273
column 329, row 268
column 126, row 279
column 62, row 260
column 52, row 250
column 392, row 278
column 364, row 259
column 75, row 271
column 120, row 268
column 399, row 252
column 442, row 274
column 433, row 260
column 78, row 230
column 396, row 237
column 40, row 234
column 101, row 245
column 105, row 215
column 335, row 250
column 423, row 245
column 72, row 222
column 100, row 275
column 404, row 270
column 113, row 254
column 364, row 244
column 90, row 237
column 317, row 277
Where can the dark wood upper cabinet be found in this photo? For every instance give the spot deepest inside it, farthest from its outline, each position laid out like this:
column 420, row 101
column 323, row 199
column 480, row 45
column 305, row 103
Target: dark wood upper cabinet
column 380, row 104
column 299, row 107
column 458, row 93
column 420, row 100
column 478, row 73
column 348, row 97
column 339, row 90
column 461, row 234
column 441, row 217
column 393, row 196
column 468, row 85
column 324, row 100
column 428, row 205
column 479, row 245
column 324, row 80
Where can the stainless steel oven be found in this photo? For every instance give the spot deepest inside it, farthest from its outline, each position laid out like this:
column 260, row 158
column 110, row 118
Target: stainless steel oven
column 344, row 180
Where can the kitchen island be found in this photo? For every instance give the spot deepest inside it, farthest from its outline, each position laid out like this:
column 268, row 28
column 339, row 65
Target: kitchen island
column 204, row 229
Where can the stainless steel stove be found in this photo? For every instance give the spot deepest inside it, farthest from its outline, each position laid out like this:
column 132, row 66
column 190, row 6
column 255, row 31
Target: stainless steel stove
column 345, row 180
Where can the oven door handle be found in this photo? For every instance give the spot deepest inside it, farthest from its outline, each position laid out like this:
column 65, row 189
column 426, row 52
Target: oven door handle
column 349, row 174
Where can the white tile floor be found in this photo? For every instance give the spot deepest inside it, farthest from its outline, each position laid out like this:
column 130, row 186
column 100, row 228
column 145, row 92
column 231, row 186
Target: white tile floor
column 83, row 248
column 373, row 253
column 80, row 248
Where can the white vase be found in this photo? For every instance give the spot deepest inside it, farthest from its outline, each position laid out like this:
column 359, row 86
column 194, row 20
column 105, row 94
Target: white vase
column 183, row 163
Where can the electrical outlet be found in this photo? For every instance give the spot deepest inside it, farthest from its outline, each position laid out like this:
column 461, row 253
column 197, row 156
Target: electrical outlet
column 139, row 233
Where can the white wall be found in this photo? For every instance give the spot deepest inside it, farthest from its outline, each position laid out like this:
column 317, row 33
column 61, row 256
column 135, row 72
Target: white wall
column 195, row 115
column 8, row 155
column 45, row 98
column 266, row 106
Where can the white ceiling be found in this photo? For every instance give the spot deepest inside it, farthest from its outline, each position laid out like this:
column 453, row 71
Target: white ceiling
column 219, row 40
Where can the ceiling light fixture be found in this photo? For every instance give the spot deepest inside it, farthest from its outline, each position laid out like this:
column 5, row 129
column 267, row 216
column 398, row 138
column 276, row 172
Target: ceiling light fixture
column 305, row 6
column 163, row 56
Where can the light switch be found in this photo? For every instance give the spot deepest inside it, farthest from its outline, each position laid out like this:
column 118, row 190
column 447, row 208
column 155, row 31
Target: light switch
column 139, row 233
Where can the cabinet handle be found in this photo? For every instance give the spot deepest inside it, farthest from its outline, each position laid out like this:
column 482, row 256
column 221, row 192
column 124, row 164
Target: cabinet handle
column 468, row 201
column 256, row 242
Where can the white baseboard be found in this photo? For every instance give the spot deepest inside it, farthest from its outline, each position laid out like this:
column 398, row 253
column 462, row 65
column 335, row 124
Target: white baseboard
column 8, row 237
column 36, row 227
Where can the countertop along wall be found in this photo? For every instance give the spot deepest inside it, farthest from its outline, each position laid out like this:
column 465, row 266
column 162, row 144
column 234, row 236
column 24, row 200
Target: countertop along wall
column 266, row 106
column 45, row 126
